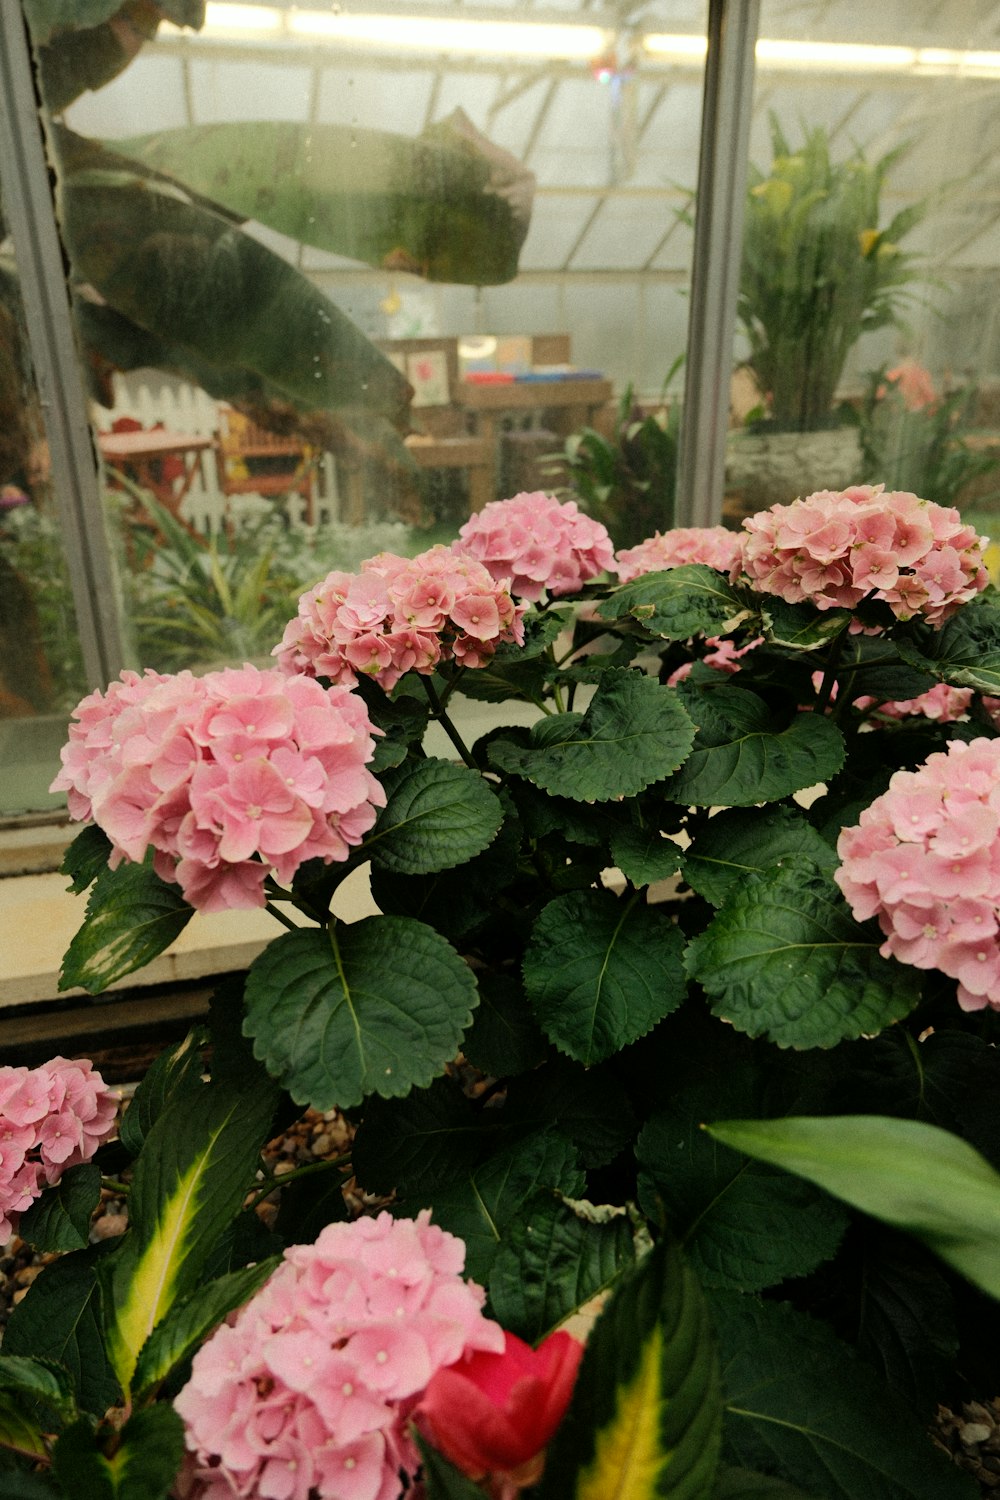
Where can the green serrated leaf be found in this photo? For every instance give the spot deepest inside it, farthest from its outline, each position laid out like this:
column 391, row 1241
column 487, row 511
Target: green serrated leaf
column 950, row 1078
column 646, row 1414
column 504, row 1038
column 643, row 854
column 309, row 1204
column 965, row 651
column 551, row 1262
column 190, row 1180
column 909, row 1331
column 402, row 718
column 61, row 1320
column 513, row 673
column 784, row 958
column 376, row 1007
column 908, row 1174
column 454, row 902
column 132, row 915
column 86, row 857
column 40, row 1380
column 176, row 1071
column 803, row 1405
column 438, row 815
column 742, row 1225
column 678, row 603
column 60, row 1218
column 739, row 759
column 413, row 1144
column 588, row 1106
column 142, row 1464
column 542, row 628
column 634, row 733
column 479, row 1205
column 509, row 682
column 740, row 1484
column 600, row 971
column 192, row 1319
column 19, row 1428
column 801, row 627
column 735, row 844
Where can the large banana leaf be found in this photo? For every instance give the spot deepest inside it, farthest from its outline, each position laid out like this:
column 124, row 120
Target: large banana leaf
column 220, row 300
column 447, row 204
column 83, row 44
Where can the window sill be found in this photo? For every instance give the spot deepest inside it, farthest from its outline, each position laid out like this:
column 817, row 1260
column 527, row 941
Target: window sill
column 40, row 920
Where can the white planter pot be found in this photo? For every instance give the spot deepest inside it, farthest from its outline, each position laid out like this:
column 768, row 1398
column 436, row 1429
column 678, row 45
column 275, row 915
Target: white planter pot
column 775, row 468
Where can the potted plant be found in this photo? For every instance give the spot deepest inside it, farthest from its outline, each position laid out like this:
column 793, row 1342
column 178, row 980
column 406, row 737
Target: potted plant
column 915, row 437
column 626, row 479
column 819, row 269
column 727, row 1050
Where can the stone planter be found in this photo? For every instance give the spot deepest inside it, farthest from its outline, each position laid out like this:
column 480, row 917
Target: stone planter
column 775, row 468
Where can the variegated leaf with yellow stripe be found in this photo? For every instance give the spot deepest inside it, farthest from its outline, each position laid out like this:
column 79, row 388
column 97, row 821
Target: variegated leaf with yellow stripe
column 646, row 1414
column 190, row 1180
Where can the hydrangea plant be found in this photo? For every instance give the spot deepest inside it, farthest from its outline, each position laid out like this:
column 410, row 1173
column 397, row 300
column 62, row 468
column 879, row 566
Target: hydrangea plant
column 683, row 995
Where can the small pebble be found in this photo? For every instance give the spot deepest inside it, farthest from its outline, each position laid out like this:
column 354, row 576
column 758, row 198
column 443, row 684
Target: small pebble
column 108, row 1226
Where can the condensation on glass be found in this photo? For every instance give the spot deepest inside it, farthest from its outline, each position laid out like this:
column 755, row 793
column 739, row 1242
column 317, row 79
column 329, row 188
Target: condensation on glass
column 41, row 670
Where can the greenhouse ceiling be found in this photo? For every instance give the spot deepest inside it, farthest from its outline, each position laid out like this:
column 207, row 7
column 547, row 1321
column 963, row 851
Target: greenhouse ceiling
column 603, row 105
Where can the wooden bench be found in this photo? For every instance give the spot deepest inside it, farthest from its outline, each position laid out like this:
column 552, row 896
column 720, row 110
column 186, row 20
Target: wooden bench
column 250, row 460
column 444, row 440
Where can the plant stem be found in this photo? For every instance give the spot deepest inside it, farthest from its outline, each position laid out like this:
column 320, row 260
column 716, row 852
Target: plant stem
column 829, row 682
column 438, row 713
column 279, row 916
column 112, row 1185
column 269, row 1184
column 277, row 893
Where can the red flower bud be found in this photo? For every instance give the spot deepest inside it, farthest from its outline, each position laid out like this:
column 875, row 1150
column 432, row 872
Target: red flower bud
column 493, row 1413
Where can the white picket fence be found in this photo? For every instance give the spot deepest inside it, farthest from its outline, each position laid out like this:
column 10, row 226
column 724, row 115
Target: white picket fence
column 150, row 398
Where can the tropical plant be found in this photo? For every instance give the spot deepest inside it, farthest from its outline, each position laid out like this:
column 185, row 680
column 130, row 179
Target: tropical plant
column 627, row 480
column 41, row 634
column 915, row 439
column 817, row 271
column 766, row 903
column 163, row 274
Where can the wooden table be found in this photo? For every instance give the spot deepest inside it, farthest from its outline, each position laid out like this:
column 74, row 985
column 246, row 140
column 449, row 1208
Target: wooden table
column 139, row 456
column 570, row 402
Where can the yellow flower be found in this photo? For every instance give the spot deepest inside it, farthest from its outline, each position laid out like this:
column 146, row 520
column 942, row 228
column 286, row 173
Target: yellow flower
column 776, row 194
column 868, row 240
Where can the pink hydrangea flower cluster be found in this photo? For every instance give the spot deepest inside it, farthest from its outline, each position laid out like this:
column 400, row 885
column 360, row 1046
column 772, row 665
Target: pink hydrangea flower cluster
column 400, row 615
column 51, row 1118
column 224, row 776
column 724, row 655
column 942, row 703
column 925, row 860
column 835, row 547
column 714, row 546
column 914, row 384
column 538, row 542
column 307, row 1391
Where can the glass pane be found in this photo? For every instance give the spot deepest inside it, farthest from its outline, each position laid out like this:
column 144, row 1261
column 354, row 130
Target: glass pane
column 336, row 292
column 868, row 345
column 41, row 672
